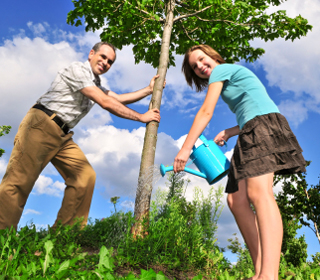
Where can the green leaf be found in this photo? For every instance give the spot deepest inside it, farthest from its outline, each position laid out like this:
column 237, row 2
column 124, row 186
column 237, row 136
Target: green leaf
column 64, row 266
column 105, row 261
column 48, row 247
column 147, row 275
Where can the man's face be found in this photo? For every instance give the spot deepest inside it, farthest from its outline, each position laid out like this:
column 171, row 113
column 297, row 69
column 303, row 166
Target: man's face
column 101, row 60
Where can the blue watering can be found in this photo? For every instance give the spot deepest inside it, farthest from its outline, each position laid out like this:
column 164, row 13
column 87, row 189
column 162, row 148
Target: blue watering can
column 209, row 159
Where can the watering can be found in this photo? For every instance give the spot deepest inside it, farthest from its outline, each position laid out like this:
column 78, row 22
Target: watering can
column 209, row 159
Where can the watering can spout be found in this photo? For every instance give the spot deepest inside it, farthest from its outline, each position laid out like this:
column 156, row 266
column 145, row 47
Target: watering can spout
column 164, row 169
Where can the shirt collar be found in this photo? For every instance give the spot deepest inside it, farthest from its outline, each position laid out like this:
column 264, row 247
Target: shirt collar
column 95, row 78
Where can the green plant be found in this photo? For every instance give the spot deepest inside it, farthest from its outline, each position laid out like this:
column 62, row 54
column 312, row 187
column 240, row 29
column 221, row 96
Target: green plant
column 299, row 201
column 293, row 249
column 4, row 129
column 114, row 200
column 109, row 231
column 244, row 263
column 180, row 233
column 55, row 254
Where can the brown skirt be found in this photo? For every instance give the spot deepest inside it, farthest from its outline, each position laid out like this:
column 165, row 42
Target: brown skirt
column 265, row 145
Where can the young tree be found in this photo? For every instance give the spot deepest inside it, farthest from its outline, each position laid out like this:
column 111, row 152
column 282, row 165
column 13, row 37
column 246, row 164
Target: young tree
column 298, row 201
column 158, row 29
column 294, row 248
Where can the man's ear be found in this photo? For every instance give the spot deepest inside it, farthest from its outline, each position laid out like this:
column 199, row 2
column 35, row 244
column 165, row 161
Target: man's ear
column 91, row 53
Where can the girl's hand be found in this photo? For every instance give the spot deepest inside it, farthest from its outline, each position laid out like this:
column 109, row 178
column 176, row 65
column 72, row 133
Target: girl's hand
column 221, row 137
column 181, row 160
column 224, row 135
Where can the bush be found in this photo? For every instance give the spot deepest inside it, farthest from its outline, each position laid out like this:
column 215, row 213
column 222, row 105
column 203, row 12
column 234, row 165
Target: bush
column 110, row 231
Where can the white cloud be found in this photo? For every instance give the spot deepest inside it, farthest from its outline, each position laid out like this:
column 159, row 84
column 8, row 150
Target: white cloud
column 31, row 64
column 38, row 29
column 126, row 75
column 116, row 154
column 294, row 67
column 3, row 166
column 295, row 111
column 31, row 211
column 45, row 185
column 127, row 205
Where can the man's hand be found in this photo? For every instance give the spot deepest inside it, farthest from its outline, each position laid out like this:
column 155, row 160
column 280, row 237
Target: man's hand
column 151, row 85
column 151, row 115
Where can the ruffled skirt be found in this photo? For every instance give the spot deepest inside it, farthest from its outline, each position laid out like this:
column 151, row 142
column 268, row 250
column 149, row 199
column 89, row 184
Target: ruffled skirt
column 265, row 145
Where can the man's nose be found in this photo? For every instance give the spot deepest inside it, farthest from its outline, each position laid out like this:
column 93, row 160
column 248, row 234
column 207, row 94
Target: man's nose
column 106, row 64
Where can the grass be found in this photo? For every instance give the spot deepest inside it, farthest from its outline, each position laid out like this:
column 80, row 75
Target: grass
column 48, row 254
column 180, row 244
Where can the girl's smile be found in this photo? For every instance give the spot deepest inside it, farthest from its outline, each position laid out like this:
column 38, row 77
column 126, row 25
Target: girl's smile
column 202, row 64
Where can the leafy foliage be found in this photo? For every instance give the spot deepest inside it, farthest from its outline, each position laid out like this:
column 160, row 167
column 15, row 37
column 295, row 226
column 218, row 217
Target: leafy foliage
column 298, row 201
column 110, row 231
column 180, row 233
column 244, row 263
column 229, row 26
column 293, row 249
column 4, row 129
column 57, row 254
column 179, row 239
column 244, row 267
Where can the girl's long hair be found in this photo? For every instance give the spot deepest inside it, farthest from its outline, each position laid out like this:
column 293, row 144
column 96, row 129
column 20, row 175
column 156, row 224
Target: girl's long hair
column 189, row 74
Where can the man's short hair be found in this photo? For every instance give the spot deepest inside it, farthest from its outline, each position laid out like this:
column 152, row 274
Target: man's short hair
column 97, row 46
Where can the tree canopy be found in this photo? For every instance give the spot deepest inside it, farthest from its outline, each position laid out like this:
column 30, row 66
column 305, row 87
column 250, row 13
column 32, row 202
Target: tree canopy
column 227, row 25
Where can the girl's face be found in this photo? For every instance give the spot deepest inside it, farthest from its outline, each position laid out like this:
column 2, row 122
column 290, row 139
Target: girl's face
column 202, row 64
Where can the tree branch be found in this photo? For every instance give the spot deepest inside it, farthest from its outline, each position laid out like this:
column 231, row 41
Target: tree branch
column 118, row 7
column 186, row 32
column 182, row 4
column 146, row 13
column 193, row 14
column 316, row 231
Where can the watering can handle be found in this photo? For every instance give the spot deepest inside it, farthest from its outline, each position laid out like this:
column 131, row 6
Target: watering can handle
column 225, row 144
column 205, row 142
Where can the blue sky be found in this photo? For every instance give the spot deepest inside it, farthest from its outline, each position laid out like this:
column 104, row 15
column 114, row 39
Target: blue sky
column 35, row 42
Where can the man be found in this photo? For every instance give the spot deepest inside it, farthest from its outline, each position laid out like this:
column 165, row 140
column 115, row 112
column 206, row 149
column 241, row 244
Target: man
column 44, row 136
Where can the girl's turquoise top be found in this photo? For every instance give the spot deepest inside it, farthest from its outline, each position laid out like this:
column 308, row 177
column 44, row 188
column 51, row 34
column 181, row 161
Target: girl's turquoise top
column 243, row 92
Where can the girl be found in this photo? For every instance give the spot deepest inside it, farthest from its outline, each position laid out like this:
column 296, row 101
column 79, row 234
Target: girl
column 265, row 146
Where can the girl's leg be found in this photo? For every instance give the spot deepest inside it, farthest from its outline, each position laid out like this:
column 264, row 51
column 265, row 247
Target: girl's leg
column 260, row 193
column 239, row 205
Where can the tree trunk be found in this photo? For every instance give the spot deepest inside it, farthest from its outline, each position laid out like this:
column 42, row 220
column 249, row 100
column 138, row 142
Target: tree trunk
column 144, row 189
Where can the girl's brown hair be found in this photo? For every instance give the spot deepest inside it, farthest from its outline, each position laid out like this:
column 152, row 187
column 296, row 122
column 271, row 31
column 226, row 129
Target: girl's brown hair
column 189, row 74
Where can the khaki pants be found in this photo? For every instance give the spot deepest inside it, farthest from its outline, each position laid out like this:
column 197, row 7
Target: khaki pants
column 39, row 141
